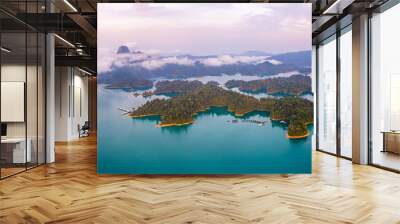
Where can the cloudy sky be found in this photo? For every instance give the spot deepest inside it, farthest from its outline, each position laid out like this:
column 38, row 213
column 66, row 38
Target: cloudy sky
column 203, row 28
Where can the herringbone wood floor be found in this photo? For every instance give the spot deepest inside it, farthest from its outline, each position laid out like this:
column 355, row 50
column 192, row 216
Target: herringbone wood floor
column 70, row 191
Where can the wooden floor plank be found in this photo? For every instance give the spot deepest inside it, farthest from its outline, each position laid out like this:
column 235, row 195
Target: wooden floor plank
column 70, row 191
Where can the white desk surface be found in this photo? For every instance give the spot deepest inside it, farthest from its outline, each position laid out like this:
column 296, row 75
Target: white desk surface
column 13, row 140
column 20, row 153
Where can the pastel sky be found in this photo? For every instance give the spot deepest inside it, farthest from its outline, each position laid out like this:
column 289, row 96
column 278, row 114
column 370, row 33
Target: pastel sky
column 204, row 28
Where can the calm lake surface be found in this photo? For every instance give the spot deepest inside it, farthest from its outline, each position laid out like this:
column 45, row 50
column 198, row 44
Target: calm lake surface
column 212, row 145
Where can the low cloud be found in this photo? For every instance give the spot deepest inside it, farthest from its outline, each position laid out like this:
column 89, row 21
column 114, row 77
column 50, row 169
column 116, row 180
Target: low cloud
column 272, row 61
column 105, row 59
column 152, row 59
column 229, row 60
column 108, row 59
column 122, row 60
column 158, row 63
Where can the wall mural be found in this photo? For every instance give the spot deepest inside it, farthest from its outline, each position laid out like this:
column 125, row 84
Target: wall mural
column 204, row 88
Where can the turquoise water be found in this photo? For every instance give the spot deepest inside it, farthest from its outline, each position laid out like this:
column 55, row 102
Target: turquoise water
column 212, row 145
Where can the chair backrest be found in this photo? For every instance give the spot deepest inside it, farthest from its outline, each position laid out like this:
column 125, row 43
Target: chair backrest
column 86, row 125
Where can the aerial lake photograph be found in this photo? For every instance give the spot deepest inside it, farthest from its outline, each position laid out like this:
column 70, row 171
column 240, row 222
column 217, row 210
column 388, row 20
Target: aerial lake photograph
column 208, row 99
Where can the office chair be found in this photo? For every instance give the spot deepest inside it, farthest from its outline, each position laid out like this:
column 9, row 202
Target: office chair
column 84, row 130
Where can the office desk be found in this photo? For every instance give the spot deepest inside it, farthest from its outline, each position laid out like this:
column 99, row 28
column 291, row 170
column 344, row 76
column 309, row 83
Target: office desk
column 391, row 141
column 19, row 155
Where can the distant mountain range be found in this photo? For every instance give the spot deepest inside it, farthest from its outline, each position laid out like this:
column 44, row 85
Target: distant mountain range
column 134, row 65
column 256, row 53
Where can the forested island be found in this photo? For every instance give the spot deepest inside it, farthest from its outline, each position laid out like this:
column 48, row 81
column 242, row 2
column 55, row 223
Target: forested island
column 131, row 85
column 181, row 109
column 293, row 85
column 176, row 86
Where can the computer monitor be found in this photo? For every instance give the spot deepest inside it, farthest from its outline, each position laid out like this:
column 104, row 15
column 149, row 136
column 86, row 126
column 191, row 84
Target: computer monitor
column 3, row 129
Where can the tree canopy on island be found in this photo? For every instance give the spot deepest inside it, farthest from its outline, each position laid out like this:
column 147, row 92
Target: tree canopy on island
column 179, row 110
column 293, row 85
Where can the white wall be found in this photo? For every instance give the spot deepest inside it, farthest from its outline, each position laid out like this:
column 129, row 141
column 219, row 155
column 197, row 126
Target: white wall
column 80, row 110
column 71, row 102
column 62, row 82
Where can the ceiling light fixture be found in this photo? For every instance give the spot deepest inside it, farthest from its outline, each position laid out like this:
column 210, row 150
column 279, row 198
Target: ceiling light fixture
column 337, row 7
column 84, row 71
column 326, row 11
column 79, row 51
column 5, row 50
column 70, row 5
column 64, row 40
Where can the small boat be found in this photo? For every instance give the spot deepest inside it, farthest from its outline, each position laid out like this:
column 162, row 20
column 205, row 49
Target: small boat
column 126, row 111
column 283, row 122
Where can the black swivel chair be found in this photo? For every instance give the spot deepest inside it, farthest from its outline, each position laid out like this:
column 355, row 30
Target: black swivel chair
column 84, row 130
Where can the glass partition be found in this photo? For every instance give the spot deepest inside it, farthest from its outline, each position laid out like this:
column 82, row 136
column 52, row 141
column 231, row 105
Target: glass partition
column 14, row 153
column 31, row 99
column 385, row 89
column 22, row 77
column 327, row 95
column 346, row 93
column 41, row 97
